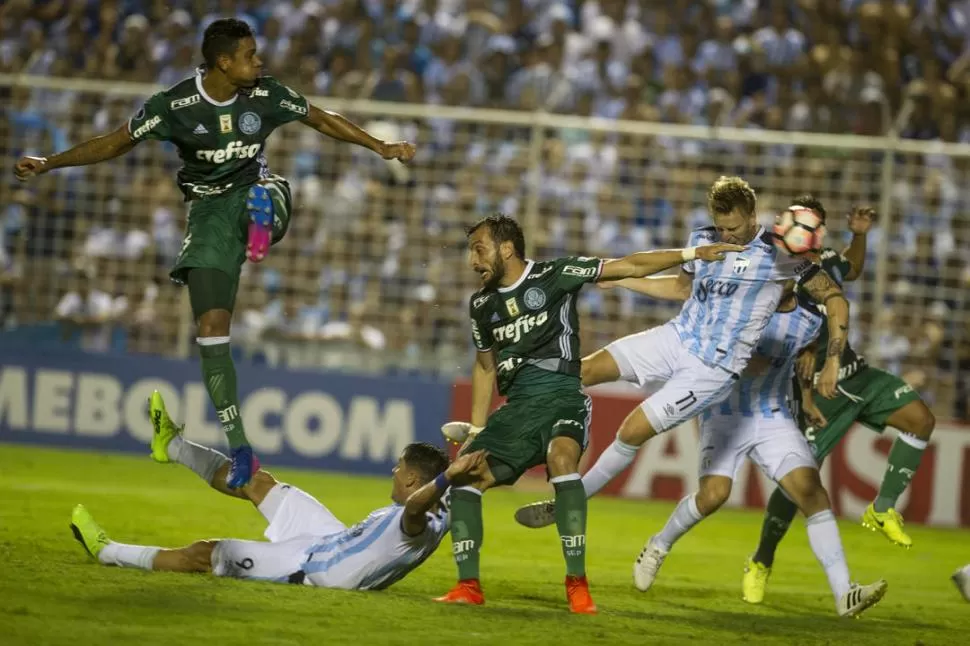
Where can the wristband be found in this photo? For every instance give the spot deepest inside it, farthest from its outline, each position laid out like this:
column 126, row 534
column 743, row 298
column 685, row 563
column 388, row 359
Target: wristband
column 442, row 482
column 688, row 254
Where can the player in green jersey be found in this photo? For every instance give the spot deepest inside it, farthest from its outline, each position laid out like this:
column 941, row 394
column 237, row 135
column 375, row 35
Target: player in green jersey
column 525, row 327
column 867, row 395
column 219, row 121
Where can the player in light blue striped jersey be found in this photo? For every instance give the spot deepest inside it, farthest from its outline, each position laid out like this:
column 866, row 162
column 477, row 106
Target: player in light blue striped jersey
column 307, row 543
column 699, row 355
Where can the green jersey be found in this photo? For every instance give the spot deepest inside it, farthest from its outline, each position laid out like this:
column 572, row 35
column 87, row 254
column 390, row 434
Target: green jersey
column 533, row 325
column 837, row 267
column 220, row 142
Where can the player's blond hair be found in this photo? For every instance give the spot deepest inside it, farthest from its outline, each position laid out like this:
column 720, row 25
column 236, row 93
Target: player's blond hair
column 730, row 193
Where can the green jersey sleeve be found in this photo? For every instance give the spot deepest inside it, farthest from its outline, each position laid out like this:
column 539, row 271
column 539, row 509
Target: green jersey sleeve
column 835, row 265
column 477, row 310
column 285, row 104
column 572, row 272
column 152, row 121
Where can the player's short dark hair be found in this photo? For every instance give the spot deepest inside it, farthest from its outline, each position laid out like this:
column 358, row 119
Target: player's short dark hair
column 730, row 193
column 809, row 201
column 428, row 459
column 221, row 38
column 502, row 229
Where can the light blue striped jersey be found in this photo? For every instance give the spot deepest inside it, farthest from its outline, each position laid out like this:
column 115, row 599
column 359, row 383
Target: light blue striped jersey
column 768, row 395
column 374, row 553
column 732, row 301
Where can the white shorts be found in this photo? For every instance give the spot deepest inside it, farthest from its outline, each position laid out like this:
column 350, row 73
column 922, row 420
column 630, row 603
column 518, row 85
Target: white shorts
column 297, row 520
column 775, row 445
column 690, row 386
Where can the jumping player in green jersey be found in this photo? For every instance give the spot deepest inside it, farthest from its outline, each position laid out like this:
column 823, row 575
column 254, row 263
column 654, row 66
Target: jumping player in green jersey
column 219, row 121
column 525, row 327
column 872, row 397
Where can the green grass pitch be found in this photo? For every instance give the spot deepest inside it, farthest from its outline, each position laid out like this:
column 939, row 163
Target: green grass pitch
column 53, row 594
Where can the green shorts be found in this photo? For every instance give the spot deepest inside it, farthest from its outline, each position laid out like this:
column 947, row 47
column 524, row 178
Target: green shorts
column 869, row 397
column 217, row 230
column 517, row 435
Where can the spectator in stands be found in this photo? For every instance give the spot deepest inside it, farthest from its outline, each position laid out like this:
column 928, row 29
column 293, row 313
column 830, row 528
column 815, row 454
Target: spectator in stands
column 87, row 310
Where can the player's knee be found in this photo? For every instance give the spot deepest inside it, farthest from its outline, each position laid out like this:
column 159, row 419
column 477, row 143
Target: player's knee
column 712, row 494
column 214, row 323
column 563, row 456
column 636, row 428
column 925, row 424
column 260, row 485
column 804, row 488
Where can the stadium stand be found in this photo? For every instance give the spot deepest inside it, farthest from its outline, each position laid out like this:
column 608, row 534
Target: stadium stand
column 668, row 95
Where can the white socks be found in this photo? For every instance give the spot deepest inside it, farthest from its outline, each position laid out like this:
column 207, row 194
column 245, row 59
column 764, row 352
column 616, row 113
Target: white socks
column 617, row 457
column 685, row 516
column 823, row 536
column 204, row 462
column 122, row 555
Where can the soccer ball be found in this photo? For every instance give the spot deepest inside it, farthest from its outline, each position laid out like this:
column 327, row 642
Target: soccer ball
column 798, row 230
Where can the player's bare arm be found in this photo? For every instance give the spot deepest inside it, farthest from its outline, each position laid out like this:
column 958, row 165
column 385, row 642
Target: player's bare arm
column 466, row 468
column 114, row 144
column 645, row 263
column 860, row 221
column 483, row 384
column 664, row 288
column 342, row 129
column 805, row 373
column 826, row 291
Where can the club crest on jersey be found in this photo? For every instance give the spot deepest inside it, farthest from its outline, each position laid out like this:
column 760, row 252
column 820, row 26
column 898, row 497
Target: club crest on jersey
column 250, row 123
column 534, row 298
column 741, row 264
column 512, row 306
column 225, row 123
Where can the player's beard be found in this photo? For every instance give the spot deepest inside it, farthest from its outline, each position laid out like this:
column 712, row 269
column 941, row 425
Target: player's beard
column 497, row 271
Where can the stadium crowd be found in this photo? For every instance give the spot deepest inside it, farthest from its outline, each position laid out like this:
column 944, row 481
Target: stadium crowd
column 369, row 262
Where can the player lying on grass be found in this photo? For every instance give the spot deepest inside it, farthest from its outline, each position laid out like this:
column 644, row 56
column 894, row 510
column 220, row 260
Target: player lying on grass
column 307, row 544
column 526, row 329
column 868, row 395
column 755, row 421
column 219, row 120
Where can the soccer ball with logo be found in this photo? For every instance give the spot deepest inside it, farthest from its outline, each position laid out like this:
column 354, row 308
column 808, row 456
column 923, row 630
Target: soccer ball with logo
column 798, row 230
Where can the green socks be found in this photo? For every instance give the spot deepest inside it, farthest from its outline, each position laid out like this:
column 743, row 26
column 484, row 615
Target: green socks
column 466, row 531
column 571, row 521
column 219, row 375
column 778, row 516
column 904, row 459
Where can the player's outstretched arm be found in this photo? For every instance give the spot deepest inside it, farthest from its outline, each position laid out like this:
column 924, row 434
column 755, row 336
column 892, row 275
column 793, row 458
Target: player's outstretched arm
column 664, row 288
column 342, row 129
column 646, row 263
column 860, row 221
column 465, row 469
column 92, row 151
column 825, row 291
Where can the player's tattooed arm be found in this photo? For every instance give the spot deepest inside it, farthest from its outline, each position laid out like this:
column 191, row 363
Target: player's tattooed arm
column 92, row 151
column 340, row 128
column 860, row 221
column 826, row 291
column 805, row 373
column 466, row 469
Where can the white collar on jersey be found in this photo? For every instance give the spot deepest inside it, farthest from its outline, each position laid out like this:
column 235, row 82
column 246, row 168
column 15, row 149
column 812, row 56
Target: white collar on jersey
column 525, row 272
column 198, row 85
